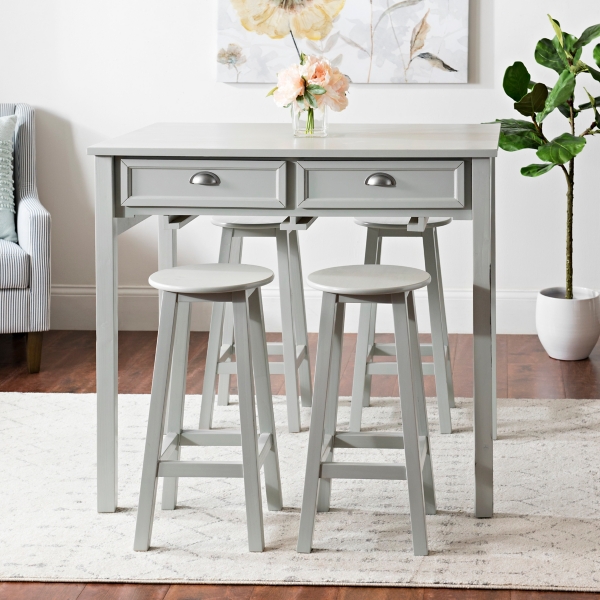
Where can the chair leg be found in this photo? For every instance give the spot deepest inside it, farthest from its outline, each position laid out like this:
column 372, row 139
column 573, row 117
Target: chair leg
column 405, row 358
column 317, row 424
column 361, row 385
column 264, row 398
column 442, row 369
column 235, row 257
column 287, row 329
column 156, row 422
column 176, row 403
column 254, row 514
column 299, row 314
column 214, row 342
column 422, row 421
column 34, row 351
column 333, row 389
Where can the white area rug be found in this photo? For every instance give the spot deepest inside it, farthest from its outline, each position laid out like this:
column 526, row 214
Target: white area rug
column 545, row 533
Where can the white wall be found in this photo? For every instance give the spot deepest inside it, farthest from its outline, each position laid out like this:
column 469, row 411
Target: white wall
column 95, row 69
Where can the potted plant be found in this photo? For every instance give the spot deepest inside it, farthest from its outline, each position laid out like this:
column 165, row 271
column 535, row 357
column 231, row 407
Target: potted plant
column 567, row 318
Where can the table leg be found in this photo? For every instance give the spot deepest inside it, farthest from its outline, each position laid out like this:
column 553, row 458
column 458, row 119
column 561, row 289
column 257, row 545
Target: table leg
column 106, row 336
column 484, row 331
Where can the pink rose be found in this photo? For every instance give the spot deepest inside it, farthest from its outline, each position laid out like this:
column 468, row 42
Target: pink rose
column 290, row 85
column 336, row 88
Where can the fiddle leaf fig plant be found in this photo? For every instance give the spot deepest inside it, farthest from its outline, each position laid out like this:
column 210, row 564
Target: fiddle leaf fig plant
column 536, row 101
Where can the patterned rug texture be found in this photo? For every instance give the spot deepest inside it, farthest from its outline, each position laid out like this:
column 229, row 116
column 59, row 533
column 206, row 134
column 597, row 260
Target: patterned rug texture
column 545, row 533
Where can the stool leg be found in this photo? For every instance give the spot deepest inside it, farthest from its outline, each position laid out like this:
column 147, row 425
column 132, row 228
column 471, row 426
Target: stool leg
column 235, row 257
column 422, row 421
column 177, row 379
column 449, row 379
column 264, row 398
column 156, row 422
column 405, row 358
column 254, row 515
column 215, row 337
column 317, row 424
column 443, row 372
column 287, row 329
column 361, row 385
column 333, row 390
column 299, row 313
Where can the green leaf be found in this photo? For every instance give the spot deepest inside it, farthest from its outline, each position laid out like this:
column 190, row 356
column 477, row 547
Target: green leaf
column 272, row 91
column 536, row 170
column 518, row 135
column 561, row 92
column 570, row 43
column 516, row 80
column 310, row 99
column 315, row 89
column 533, row 102
column 547, row 56
column 591, row 33
column 592, row 103
column 565, row 111
column 561, row 149
column 589, row 104
column 560, row 51
column 557, row 30
column 596, row 54
column 593, row 72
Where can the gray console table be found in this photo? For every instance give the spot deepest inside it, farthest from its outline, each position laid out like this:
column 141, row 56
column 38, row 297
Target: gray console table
column 439, row 170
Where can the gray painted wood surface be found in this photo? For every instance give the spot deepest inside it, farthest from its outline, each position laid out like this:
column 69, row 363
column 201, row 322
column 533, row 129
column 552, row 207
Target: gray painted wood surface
column 270, row 140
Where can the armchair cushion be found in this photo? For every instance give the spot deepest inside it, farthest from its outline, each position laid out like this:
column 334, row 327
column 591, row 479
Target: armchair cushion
column 7, row 196
column 14, row 266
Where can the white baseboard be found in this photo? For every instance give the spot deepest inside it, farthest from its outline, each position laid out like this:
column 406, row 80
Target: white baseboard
column 73, row 307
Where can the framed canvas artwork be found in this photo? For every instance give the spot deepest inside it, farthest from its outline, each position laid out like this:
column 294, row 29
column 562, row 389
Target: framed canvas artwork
column 371, row 41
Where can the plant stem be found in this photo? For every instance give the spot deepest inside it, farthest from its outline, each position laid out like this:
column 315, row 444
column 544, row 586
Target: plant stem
column 570, row 185
column 310, row 121
column 295, row 45
column 570, row 190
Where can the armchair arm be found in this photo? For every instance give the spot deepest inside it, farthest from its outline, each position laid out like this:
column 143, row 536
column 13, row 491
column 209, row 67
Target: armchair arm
column 33, row 230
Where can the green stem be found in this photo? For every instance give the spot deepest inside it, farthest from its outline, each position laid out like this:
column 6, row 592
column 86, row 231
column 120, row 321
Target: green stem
column 310, row 121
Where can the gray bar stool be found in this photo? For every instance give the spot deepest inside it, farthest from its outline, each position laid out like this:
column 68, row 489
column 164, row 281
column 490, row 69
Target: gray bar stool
column 240, row 285
column 366, row 348
column 368, row 284
column 296, row 362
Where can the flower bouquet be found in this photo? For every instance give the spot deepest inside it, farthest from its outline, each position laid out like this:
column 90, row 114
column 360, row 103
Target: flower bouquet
column 309, row 88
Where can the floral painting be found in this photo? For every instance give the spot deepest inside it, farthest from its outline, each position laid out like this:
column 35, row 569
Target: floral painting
column 371, row 41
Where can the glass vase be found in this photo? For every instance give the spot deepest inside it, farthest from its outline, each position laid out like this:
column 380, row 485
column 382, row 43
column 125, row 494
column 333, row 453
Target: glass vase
column 310, row 123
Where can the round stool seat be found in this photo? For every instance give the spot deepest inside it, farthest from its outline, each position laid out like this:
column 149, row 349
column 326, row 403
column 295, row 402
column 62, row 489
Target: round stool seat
column 210, row 278
column 368, row 279
column 398, row 222
column 247, row 222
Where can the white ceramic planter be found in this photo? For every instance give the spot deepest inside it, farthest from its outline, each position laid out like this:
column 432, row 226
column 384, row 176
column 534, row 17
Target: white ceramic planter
column 568, row 329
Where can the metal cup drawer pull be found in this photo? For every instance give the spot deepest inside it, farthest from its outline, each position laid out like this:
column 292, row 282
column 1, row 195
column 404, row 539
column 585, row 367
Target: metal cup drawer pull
column 205, row 178
column 380, row 180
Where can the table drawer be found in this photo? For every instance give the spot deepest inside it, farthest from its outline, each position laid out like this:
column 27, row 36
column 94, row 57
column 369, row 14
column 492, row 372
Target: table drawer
column 203, row 183
column 380, row 184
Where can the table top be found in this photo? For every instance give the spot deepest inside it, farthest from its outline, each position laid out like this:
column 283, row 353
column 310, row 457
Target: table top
column 271, row 140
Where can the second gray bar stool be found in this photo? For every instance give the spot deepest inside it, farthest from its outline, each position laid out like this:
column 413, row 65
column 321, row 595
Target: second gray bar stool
column 366, row 347
column 240, row 285
column 294, row 347
column 368, row 284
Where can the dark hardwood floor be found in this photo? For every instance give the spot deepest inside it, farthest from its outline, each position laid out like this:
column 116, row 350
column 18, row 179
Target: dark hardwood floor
column 524, row 371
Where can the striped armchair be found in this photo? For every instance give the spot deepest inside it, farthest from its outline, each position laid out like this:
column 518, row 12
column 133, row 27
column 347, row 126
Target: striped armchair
column 25, row 267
